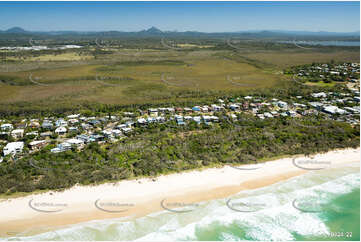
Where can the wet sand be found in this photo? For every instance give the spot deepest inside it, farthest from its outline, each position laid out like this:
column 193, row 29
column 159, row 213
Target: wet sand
column 135, row 198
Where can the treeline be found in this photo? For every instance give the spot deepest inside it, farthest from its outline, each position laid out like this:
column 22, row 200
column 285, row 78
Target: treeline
column 163, row 148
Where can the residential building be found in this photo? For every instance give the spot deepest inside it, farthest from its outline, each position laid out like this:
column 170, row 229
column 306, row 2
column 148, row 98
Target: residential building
column 61, row 130
column 7, row 127
column 13, row 148
column 37, row 144
column 17, row 133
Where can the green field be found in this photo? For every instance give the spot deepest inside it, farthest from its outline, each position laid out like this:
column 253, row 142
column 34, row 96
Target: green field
column 146, row 76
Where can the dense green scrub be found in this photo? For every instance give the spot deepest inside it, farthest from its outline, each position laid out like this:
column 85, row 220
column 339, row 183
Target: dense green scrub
column 166, row 148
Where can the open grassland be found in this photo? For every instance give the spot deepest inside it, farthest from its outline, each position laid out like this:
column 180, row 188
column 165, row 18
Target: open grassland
column 291, row 58
column 137, row 76
column 136, row 80
column 194, row 46
column 321, row 84
column 70, row 56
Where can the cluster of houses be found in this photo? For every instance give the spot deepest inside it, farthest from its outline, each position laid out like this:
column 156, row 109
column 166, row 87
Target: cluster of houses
column 41, row 47
column 341, row 72
column 76, row 131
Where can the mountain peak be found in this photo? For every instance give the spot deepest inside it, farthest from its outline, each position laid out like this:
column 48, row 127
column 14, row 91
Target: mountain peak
column 154, row 30
column 15, row 30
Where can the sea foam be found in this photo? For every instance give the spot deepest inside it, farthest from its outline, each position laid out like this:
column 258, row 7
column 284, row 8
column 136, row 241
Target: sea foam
column 214, row 220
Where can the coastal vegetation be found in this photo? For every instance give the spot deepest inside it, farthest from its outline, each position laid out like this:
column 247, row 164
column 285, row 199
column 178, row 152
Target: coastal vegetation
column 141, row 74
column 166, row 148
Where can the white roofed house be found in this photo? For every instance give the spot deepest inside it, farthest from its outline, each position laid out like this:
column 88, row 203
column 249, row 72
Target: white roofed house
column 319, row 95
column 46, row 134
column 275, row 113
column 73, row 129
column 234, row 107
column 333, row 110
column 151, row 120
column 117, row 133
column 299, row 105
column 6, row 127
column 188, row 118
column 352, row 110
column 179, row 119
column 187, row 110
column 13, row 148
column 73, row 116
column 17, row 133
column 78, row 143
column 268, row 115
column 129, row 124
column 120, row 126
column 141, row 121
column 233, row 116
column 316, row 105
column 291, row 113
column 255, row 110
column 197, row 119
column 214, row 118
column 73, row 121
column 260, row 115
column 32, row 133
column 86, row 126
column 207, row 119
column 216, row 108
column 204, row 109
column 171, row 110
column 160, row 119
column 47, row 124
column 61, row 122
column 61, row 147
column 37, row 144
column 61, row 130
column 107, row 133
column 126, row 130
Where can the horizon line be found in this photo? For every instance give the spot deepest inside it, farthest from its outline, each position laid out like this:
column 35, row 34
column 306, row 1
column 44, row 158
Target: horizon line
column 130, row 31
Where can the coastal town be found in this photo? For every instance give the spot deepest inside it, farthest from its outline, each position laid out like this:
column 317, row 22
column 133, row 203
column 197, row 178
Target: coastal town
column 75, row 131
column 180, row 121
column 328, row 72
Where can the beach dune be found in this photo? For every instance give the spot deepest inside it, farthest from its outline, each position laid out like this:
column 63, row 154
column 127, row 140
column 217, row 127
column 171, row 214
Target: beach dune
column 176, row 192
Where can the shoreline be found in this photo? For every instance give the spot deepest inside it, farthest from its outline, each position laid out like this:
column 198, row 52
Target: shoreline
column 136, row 198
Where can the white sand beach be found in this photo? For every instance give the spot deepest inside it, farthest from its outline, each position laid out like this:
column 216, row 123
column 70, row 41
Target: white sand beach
column 144, row 196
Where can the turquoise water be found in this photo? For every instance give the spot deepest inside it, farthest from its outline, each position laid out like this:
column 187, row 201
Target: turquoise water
column 308, row 207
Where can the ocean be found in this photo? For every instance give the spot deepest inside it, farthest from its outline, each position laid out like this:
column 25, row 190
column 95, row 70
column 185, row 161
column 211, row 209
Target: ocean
column 319, row 205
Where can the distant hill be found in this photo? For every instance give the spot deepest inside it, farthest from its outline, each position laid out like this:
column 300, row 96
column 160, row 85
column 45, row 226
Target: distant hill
column 155, row 32
column 15, row 30
column 317, row 33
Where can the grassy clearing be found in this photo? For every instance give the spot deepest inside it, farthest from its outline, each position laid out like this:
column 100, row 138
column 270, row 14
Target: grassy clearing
column 194, row 46
column 71, row 56
column 321, row 84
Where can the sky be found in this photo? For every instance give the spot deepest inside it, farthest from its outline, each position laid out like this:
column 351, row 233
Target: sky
column 181, row 16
